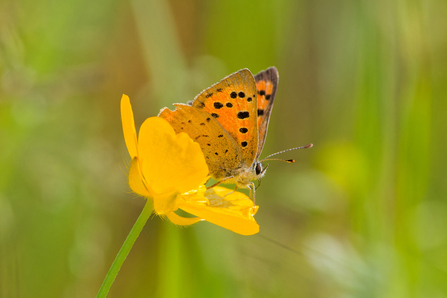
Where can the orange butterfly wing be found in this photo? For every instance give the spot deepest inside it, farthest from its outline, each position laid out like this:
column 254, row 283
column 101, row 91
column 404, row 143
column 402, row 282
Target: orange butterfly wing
column 233, row 103
column 221, row 151
column 266, row 85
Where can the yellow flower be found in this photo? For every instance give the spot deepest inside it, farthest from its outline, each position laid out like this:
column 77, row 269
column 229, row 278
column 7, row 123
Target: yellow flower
column 170, row 169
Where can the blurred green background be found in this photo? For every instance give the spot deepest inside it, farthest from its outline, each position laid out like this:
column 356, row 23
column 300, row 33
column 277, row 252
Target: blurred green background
column 362, row 214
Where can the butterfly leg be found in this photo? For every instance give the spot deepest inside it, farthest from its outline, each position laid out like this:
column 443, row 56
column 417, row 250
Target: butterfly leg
column 219, row 182
column 252, row 189
column 231, row 192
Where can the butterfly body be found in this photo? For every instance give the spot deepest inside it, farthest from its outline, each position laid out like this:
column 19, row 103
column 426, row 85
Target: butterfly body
column 230, row 120
column 243, row 176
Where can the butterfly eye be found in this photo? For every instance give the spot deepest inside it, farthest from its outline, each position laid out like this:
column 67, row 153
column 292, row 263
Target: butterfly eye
column 258, row 168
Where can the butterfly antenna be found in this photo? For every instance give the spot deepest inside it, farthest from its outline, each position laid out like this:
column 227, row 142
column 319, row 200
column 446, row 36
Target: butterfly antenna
column 286, row 160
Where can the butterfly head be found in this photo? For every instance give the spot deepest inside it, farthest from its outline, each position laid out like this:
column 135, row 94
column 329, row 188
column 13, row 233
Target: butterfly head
column 259, row 169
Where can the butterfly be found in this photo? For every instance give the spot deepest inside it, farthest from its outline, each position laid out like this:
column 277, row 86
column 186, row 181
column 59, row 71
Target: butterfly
column 230, row 120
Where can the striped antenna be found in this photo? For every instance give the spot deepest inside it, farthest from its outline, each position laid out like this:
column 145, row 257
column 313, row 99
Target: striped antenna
column 287, row 160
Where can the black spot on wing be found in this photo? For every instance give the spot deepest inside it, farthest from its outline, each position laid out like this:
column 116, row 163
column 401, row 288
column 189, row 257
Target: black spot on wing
column 201, row 136
column 218, row 105
column 260, row 112
column 233, row 94
column 243, row 114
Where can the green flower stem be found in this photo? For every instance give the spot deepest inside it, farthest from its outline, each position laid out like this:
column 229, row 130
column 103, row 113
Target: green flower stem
column 125, row 249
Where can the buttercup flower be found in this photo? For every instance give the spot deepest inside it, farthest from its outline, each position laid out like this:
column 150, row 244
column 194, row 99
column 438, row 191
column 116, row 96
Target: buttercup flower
column 170, row 169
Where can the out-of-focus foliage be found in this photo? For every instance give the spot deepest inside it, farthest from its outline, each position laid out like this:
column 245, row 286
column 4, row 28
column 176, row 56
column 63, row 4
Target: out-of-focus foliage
column 362, row 214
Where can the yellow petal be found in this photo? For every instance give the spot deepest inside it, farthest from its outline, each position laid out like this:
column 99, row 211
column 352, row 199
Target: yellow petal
column 166, row 203
column 169, row 160
column 130, row 134
column 182, row 221
column 136, row 181
column 233, row 211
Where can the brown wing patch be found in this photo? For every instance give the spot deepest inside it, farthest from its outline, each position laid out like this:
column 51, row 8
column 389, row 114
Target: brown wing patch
column 266, row 85
column 221, row 152
column 233, row 103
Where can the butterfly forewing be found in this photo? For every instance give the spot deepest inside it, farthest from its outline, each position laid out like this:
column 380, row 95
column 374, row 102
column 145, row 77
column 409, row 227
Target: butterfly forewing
column 266, row 85
column 233, row 103
column 220, row 150
column 229, row 120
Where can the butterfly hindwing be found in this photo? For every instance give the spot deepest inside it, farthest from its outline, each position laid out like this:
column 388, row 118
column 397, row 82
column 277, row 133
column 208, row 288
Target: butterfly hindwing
column 220, row 150
column 266, row 85
column 233, row 103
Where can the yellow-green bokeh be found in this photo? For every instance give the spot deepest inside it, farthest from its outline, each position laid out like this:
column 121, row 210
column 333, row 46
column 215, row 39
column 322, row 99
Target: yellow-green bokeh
column 362, row 214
